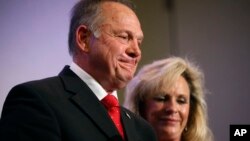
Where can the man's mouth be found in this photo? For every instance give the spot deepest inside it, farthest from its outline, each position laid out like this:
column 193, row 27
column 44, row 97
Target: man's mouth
column 128, row 66
column 128, row 63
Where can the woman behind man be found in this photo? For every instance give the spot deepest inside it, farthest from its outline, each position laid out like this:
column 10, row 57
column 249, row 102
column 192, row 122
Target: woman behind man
column 169, row 94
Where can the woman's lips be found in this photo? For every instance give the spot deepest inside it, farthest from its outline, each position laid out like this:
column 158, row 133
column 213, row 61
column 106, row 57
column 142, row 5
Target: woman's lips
column 169, row 121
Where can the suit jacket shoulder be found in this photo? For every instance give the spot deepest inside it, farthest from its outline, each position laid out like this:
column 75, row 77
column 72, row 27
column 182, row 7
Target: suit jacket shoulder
column 63, row 108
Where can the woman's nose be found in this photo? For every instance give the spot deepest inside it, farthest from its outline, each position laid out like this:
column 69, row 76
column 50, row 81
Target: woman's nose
column 171, row 106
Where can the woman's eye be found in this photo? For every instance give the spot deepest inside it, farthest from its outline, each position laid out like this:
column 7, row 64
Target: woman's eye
column 182, row 100
column 159, row 98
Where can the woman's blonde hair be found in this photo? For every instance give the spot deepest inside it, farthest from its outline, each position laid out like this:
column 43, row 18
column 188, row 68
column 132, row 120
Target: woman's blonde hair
column 163, row 73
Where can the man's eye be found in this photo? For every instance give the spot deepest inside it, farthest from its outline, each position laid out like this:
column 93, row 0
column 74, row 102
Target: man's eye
column 139, row 43
column 123, row 37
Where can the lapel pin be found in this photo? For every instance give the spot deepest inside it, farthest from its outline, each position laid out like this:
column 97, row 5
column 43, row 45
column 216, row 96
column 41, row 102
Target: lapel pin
column 128, row 115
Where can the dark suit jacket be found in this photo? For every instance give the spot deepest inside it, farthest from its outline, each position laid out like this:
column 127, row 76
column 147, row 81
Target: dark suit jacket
column 63, row 108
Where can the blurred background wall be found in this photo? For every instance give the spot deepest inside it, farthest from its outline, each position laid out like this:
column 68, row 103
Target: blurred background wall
column 214, row 34
column 33, row 40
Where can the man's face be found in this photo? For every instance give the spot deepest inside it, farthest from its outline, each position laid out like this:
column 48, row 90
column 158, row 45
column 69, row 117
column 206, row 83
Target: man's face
column 115, row 53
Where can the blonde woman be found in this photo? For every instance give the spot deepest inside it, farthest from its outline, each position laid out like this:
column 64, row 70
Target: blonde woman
column 169, row 94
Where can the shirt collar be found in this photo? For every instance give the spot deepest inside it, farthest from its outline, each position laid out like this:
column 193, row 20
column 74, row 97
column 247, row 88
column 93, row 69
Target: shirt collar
column 90, row 81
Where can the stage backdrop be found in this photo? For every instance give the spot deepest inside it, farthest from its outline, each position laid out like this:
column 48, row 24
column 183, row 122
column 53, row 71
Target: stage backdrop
column 33, row 40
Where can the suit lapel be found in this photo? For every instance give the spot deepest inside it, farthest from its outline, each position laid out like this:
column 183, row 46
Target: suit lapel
column 129, row 125
column 96, row 112
column 85, row 99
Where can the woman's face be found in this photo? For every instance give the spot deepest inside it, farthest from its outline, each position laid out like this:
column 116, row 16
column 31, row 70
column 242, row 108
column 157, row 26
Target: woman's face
column 168, row 112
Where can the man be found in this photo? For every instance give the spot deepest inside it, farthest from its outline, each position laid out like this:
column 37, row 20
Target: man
column 104, row 41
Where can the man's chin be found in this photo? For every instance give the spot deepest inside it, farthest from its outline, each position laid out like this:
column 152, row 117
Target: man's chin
column 123, row 80
column 123, row 76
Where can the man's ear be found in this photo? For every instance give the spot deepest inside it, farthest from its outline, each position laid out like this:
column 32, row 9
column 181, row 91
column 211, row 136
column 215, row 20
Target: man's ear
column 82, row 38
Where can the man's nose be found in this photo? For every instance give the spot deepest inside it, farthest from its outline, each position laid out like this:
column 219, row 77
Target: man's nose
column 134, row 50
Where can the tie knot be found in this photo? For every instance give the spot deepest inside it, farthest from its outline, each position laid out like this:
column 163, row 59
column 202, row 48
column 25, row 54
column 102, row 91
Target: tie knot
column 110, row 101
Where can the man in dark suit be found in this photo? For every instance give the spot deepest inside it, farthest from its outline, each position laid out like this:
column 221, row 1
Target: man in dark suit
column 104, row 41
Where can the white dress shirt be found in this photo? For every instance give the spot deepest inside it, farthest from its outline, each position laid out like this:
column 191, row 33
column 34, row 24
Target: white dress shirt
column 90, row 81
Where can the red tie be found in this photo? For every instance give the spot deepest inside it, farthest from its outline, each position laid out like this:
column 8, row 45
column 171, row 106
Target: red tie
column 112, row 105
